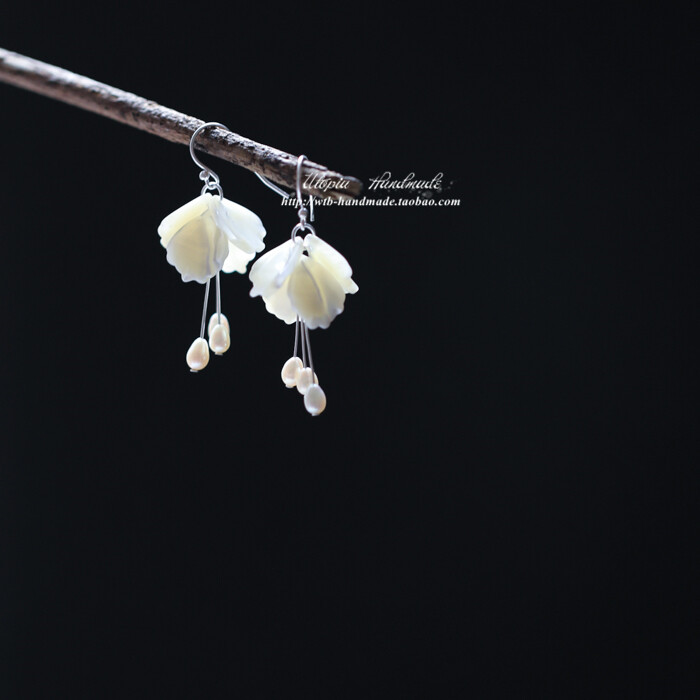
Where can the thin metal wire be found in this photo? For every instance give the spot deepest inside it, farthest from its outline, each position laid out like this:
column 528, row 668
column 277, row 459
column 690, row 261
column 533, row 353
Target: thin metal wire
column 303, row 344
column 273, row 187
column 303, row 211
column 204, row 310
column 296, row 336
column 300, row 160
column 287, row 195
column 308, row 350
column 213, row 182
column 210, row 178
column 218, row 298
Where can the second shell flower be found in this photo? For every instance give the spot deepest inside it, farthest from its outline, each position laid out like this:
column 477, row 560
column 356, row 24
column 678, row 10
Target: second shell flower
column 307, row 278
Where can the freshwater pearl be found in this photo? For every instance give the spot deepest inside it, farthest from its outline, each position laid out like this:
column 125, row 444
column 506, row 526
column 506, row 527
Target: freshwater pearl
column 219, row 339
column 198, row 355
column 304, row 380
column 315, row 400
column 290, row 370
column 214, row 320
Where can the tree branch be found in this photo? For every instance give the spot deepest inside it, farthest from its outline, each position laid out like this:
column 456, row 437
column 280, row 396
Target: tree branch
column 125, row 107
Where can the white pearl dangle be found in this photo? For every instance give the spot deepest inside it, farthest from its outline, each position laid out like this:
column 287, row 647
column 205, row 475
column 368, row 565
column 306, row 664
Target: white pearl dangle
column 297, row 373
column 218, row 330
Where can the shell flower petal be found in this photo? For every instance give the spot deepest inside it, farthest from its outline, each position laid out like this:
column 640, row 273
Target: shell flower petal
column 197, row 250
column 280, row 305
column 315, row 293
column 292, row 261
column 209, row 234
column 306, row 278
column 237, row 260
column 173, row 222
column 240, row 225
column 267, row 268
column 330, row 258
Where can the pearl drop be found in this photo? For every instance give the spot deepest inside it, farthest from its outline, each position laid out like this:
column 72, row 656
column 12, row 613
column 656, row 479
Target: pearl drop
column 219, row 339
column 198, row 355
column 304, row 380
column 315, row 400
column 290, row 371
column 214, row 320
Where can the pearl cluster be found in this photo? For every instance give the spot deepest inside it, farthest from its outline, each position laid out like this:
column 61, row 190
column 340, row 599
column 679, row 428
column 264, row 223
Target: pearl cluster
column 219, row 341
column 294, row 374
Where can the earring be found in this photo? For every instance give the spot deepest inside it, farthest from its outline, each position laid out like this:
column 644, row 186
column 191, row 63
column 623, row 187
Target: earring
column 303, row 281
column 204, row 237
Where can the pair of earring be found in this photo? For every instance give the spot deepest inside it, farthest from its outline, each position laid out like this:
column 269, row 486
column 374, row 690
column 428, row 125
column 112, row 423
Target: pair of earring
column 302, row 281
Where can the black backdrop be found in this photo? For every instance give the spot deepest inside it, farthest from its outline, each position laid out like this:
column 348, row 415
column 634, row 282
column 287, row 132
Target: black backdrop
column 497, row 501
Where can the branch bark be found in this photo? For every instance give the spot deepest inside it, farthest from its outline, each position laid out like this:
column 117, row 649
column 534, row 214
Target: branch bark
column 125, row 107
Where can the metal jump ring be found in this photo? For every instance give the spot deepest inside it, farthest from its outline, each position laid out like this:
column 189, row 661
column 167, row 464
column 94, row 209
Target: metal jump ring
column 302, row 227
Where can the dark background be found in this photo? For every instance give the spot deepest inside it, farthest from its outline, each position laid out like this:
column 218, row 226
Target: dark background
column 500, row 499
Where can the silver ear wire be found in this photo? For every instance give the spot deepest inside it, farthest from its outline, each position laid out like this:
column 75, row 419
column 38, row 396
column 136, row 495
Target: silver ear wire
column 210, row 178
column 300, row 161
column 273, row 187
column 286, row 195
column 212, row 181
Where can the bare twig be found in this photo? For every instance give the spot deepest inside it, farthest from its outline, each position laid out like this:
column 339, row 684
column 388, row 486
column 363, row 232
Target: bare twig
column 125, row 107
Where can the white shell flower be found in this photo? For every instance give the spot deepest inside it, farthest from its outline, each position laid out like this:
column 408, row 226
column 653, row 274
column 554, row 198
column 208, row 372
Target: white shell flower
column 210, row 234
column 305, row 277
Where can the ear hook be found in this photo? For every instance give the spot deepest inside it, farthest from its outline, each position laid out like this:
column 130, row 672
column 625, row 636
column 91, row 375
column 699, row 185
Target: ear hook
column 311, row 199
column 286, row 195
column 273, row 187
column 210, row 178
